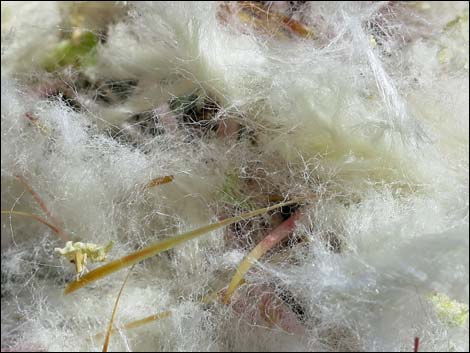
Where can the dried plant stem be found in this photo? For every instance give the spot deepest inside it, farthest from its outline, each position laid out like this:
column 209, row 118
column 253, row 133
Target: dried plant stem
column 54, row 228
column 140, row 322
column 108, row 332
column 261, row 14
column 43, row 206
column 271, row 240
column 162, row 246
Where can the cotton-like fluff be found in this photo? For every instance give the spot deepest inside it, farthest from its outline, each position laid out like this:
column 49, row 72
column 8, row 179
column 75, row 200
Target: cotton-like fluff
column 133, row 122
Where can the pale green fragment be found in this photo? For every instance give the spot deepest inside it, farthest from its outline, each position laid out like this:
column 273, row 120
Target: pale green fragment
column 453, row 45
column 443, row 55
column 231, row 191
column 449, row 311
column 461, row 21
column 79, row 51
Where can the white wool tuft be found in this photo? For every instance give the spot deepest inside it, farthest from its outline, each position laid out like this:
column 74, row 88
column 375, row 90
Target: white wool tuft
column 134, row 122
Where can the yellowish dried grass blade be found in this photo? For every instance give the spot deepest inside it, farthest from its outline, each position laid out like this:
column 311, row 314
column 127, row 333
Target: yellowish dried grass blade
column 108, row 332
column 140, row 322
column 162, row 246
column 213, row 296
column 146, row 320
column 271, row 240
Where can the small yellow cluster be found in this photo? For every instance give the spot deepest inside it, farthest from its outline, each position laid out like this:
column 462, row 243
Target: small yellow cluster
column 78, row 253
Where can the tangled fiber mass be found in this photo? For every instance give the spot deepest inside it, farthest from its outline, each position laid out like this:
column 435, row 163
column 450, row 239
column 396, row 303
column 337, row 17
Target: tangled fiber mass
column 268, row 175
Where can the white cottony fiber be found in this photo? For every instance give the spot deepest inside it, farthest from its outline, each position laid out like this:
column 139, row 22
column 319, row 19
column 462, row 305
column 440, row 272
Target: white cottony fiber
column 362, row 108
